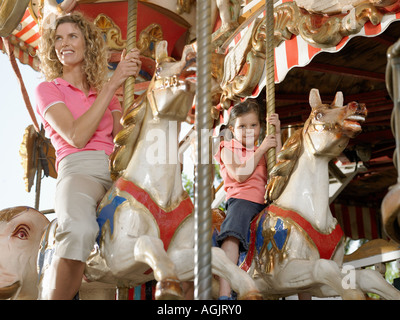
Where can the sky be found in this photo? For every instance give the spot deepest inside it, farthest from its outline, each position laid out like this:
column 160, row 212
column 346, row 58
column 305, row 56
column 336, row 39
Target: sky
column 15, row 118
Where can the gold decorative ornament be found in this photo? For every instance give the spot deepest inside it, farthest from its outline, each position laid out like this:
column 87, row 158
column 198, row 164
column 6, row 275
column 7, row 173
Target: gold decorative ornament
column 111, row 32
column 319, row 30
column 184, row 6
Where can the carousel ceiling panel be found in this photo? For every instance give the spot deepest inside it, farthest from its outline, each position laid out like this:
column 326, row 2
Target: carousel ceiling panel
column 172, row 26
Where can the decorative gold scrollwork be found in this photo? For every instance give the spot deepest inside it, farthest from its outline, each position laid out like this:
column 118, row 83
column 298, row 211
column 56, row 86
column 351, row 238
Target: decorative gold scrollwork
column 148, row 39
column 184, row 6
column 249, row 76
column 112, row 33
column 322, row 31
column 330, row 31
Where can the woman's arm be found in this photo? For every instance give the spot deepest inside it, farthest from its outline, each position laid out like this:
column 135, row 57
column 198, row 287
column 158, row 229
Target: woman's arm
column 77, row 132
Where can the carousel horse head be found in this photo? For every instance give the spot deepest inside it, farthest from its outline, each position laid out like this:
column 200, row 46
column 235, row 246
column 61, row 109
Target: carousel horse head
column 325, row 134
column 169, row 96
column 172, row 89
column 330, row 126
column 21, row 229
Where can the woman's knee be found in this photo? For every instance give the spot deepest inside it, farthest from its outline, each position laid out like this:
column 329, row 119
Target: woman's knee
column 78, row 233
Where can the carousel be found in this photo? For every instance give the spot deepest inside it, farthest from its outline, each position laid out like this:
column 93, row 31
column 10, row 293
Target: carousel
column 330, row 69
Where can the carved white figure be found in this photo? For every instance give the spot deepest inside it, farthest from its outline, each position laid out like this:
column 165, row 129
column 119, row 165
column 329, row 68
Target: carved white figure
column 296, row 244
column 21, row 231
column 337, row 6
column 229, row 11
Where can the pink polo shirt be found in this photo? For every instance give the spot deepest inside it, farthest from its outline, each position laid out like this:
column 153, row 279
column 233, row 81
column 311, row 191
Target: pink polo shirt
column 50, row 93
column 253, row 189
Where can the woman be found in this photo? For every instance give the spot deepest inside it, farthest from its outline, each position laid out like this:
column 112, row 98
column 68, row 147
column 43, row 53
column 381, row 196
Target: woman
column 81, row 115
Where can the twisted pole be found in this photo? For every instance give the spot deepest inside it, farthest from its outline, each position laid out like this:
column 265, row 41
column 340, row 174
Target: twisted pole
column 393, row 86
column 129, row 86
column 129, row 90
column 202, row 208
column 270, row 76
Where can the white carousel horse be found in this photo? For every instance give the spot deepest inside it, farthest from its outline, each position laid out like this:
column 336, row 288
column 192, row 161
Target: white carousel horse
column 296, row 245
column 146, row 218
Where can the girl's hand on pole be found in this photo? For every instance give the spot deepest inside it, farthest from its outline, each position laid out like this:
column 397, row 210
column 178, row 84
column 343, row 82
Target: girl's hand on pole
column 273, row 119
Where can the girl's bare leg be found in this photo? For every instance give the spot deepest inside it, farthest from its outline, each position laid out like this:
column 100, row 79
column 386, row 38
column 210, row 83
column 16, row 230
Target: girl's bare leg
column 231, row 248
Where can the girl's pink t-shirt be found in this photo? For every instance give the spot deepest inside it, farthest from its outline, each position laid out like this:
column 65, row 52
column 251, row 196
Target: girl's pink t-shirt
column 50, row 93
column 253, row 189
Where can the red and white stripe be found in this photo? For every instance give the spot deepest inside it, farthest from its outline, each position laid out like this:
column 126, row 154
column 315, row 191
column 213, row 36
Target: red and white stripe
column 296, row 52
column 29, row 31
column 23, row 56
column 25, row 41
column 357, row 222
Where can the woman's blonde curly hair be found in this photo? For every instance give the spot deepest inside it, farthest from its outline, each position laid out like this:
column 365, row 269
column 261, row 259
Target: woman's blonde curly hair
column 95, row 64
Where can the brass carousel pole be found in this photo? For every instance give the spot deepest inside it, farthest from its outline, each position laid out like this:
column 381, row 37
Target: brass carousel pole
column 390, row 207
column 394, row 64
column 203, row 182
column 129, row 86
column 129, row 91
column 270, row 76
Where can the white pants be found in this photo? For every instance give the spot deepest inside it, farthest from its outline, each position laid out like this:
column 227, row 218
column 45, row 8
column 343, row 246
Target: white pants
column 83, row 179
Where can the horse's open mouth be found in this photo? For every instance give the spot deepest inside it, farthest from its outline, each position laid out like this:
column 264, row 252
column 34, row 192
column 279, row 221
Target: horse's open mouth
column 353, row 123
column 8, row 291
column 355, row 119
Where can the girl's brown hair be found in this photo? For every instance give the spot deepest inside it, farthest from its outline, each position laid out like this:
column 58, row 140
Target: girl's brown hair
column 242, row 108
column 95, row 64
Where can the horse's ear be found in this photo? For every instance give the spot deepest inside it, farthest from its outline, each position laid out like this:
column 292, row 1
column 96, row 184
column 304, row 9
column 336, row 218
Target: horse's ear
column 315, row 99
column 161, row 51
column 338, row 99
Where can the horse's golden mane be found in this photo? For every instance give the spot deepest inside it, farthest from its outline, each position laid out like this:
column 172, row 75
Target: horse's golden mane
column 125, row 140
column 286, row 160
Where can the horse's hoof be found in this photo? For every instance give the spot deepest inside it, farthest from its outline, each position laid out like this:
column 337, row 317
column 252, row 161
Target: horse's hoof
column 169, row 290
column 252, row 296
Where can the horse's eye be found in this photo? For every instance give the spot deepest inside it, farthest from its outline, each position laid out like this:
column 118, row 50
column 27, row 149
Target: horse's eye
column 318, row 116
column 21, row 232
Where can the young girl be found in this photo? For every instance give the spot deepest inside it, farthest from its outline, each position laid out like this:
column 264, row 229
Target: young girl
column 244, row 170
column 81, row 114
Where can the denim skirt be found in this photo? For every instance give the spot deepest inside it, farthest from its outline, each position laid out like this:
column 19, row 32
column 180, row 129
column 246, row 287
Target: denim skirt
column 239, row 214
